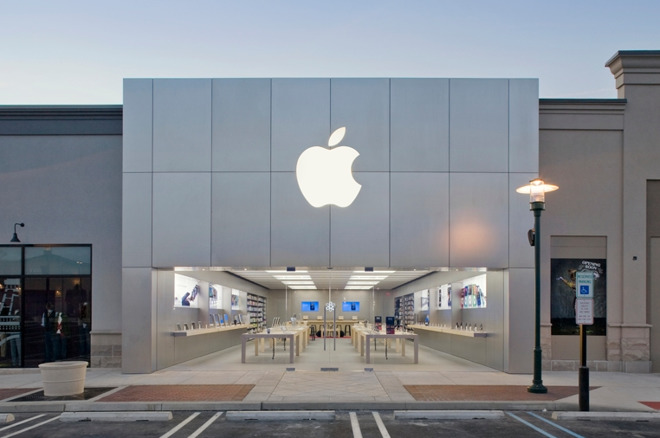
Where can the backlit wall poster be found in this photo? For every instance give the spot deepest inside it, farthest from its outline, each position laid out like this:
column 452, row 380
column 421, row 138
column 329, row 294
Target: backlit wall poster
column 473, row 293
column 562, row 295
column 215, row 296
column 235, row 299
column 186, row 291
column 424, row 300
column 444, row 296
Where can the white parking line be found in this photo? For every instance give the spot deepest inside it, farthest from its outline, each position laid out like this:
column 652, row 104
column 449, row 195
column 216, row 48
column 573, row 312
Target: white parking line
column 381, row 426
column 203, row 427
column 357, row 433
column 180, row 425
column 570, row 432
column 22, row 422
column 528, row 424
column 34, row 426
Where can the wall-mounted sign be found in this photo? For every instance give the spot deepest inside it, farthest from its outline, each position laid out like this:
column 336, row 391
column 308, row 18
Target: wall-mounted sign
column 324, row 174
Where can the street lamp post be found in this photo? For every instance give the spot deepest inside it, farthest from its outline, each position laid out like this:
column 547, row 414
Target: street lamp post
column 536, row 190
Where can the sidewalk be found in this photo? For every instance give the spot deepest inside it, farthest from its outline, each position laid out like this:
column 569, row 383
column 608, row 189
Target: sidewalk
column 220, row 382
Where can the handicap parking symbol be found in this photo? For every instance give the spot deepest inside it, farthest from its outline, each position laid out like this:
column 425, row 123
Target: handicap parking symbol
column 584, row 289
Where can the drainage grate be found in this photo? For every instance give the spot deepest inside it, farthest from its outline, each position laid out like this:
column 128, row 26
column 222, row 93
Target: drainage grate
column 87, row 394
column 329, row 369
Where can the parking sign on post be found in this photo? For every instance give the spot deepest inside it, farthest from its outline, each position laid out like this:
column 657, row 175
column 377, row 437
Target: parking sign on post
column 584, row 315
column 584, row 311
column 584, row 284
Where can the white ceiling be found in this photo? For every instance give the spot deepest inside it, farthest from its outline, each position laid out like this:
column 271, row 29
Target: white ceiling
column 323, row 279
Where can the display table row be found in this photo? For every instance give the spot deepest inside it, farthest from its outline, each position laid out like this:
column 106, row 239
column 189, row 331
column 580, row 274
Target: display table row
column 295, row 335
column 207, row 330
column 363, row 336
column 450, row 331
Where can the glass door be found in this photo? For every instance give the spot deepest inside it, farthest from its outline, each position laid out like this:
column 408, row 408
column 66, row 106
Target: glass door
column 56, row 319
column 10, row 322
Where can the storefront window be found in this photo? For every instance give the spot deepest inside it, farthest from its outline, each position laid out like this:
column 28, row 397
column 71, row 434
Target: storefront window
column 10, row 260
column 58, row 260
column 45, row 313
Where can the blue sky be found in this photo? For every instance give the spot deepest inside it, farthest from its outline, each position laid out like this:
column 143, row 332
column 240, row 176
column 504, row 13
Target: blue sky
column 78, row 52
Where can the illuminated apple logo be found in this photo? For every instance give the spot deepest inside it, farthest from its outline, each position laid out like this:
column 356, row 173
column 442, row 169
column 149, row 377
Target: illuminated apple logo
column 324, row 174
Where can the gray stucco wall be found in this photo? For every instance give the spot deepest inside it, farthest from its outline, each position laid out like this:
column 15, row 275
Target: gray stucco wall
column 60, row 173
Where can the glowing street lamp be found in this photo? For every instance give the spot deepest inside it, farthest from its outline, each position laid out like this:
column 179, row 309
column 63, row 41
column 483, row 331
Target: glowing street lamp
column 536, row 190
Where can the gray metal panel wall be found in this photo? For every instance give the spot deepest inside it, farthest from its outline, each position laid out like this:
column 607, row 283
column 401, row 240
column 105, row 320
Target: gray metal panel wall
column 360, row 233
column 182, row 125
column 479, row 220
column 420, row 224
column 241, row 124
column 420, row 125
column 137, row 220
column 523, row 125
column 363, row 106
column 479, row 125
column 239, row 233
column 301, row 118
column 138, row 125
column 182, row 219
column 300, row 234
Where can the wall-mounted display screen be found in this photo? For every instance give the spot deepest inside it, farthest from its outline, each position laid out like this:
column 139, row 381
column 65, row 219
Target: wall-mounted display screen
column 350, row 306
column 310, row 306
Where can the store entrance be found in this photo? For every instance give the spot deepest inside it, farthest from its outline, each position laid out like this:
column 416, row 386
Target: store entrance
column 56, row 319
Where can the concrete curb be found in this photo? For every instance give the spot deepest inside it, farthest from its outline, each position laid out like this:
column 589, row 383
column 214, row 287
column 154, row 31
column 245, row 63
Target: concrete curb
column 630, row 416
column 280, row 415
column 448, row 415
column 86, row 406
column 70, row 417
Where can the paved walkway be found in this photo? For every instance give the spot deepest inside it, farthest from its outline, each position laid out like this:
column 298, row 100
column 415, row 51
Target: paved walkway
column 439, row 381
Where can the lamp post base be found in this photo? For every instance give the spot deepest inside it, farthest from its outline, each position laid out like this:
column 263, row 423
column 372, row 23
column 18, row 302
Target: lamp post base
column 537, row 382
column 537, row 388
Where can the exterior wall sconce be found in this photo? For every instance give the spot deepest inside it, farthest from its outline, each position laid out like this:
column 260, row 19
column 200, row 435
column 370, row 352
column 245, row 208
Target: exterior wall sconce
column 14, row 238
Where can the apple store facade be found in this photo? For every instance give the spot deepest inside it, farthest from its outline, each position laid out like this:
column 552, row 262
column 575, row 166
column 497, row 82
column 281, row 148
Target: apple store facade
column 200, row 198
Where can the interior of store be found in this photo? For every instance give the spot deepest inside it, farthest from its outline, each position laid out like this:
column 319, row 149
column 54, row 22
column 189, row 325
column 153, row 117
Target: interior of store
column 332, row 306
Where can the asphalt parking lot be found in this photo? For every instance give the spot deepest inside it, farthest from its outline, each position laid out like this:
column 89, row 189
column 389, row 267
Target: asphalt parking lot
column 361, row 424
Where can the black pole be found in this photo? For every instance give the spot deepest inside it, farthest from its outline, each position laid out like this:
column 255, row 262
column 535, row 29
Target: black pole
column 537, row 383
column 583, row 376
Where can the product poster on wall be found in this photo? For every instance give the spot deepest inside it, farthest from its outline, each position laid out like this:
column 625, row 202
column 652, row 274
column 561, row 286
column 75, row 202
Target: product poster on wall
column 424, row 300
column 562, row 296
column 215, row 296
column 235, row 294
column 473, row 293
column 186, row 291
column 444, row 296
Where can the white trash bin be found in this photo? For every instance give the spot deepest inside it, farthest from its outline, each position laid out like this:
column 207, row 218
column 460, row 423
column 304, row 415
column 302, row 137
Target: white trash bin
column 63, row 378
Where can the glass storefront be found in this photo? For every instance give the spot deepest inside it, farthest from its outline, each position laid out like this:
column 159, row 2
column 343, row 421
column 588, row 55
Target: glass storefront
column 45, row 314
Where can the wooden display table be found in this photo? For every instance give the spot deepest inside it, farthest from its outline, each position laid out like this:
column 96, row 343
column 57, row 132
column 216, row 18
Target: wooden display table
column 450, row 331
column 293, row 336
column 363, row 336
column 207, row 330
